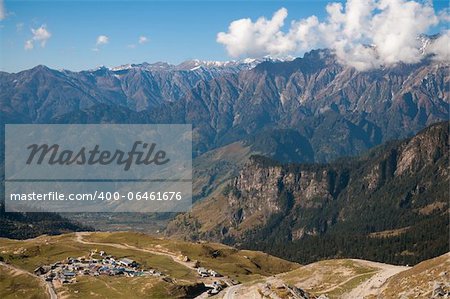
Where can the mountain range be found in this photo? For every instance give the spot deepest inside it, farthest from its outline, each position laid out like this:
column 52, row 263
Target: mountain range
column 250, row 118
column 336, row 110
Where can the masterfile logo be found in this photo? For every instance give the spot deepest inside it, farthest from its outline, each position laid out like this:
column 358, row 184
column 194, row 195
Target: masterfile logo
column 98, row 168
column 134, row 152
column 54, row 155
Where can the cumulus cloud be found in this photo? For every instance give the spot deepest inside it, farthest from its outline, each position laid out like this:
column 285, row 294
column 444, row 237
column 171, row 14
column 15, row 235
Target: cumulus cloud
column 40, row 35
column 444, row 15
column 259, row 38
column 441, row 47
column 363, row 33
column 101, row 40
column 143, row 39
column 29, row 45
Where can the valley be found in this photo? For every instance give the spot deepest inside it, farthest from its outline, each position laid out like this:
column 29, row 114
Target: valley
column 311, row 179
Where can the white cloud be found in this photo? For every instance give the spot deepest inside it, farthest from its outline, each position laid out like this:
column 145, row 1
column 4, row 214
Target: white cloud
column 102, row 40
column 2, row 10
column 390, row 27
column 444, row 15
column 40, row 35
column 29, row 45
column 441, row 47
column 259, row 38
column 143, row 39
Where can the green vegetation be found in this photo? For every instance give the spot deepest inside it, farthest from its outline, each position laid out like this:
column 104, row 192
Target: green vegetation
column 425, row 240
column 331, row 277
column 20, row 285
column 283, row 145
column 30, row 225
column 368, row 195
column 334, row 277
column 181, row 279
column 242, row 265
column 46, row 250
column 349, row 285
column 121, row 287
column 420, row 280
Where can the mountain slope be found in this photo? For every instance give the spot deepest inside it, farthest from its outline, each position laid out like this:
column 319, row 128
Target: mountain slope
column 30, row 225
column 390, row 205
column 176, row 261
column 429, row 279
column 246, row 274
column 356, row 279
column 337, row 109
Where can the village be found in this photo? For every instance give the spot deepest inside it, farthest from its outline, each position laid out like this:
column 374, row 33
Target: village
column 67, row 270
column 100, row 263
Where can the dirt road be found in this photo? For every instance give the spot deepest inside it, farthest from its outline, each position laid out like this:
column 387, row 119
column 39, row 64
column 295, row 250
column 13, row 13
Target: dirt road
column 230, row 292
column 190, row 265
column 48, row 285
column 374, row 285
column 79, row 239
column 345, row 282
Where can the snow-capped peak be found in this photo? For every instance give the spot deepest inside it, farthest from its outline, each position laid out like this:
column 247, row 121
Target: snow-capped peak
column 425, row 41
column 121, row 67
column 247, row 63
column 198, row 65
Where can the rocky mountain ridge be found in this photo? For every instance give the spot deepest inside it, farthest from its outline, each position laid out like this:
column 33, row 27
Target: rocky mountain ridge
column 336, row 109
column 399, row 191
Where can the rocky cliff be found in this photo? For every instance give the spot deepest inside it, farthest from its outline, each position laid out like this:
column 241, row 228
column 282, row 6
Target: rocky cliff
column 395, row 193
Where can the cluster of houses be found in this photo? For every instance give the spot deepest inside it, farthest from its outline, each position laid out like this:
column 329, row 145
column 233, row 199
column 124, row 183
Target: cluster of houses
column 67, row 270
column 203, row 272
column 216, row 286
column 100, row 263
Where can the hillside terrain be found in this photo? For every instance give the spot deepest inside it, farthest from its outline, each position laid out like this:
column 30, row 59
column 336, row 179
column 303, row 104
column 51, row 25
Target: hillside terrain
column 17, row 283
column 390, row 205
column 244, row 274
column 350, row 278
column 29, row 225
column 179, row 277
column 418, row 281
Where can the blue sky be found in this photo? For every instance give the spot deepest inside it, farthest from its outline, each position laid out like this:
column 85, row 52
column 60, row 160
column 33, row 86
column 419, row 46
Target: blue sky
column 176, row 30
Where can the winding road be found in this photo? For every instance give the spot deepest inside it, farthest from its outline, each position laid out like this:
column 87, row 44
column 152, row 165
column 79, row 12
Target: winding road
column 190, row 265
column 374, row 285
column 230, row 292
column 79, row 239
